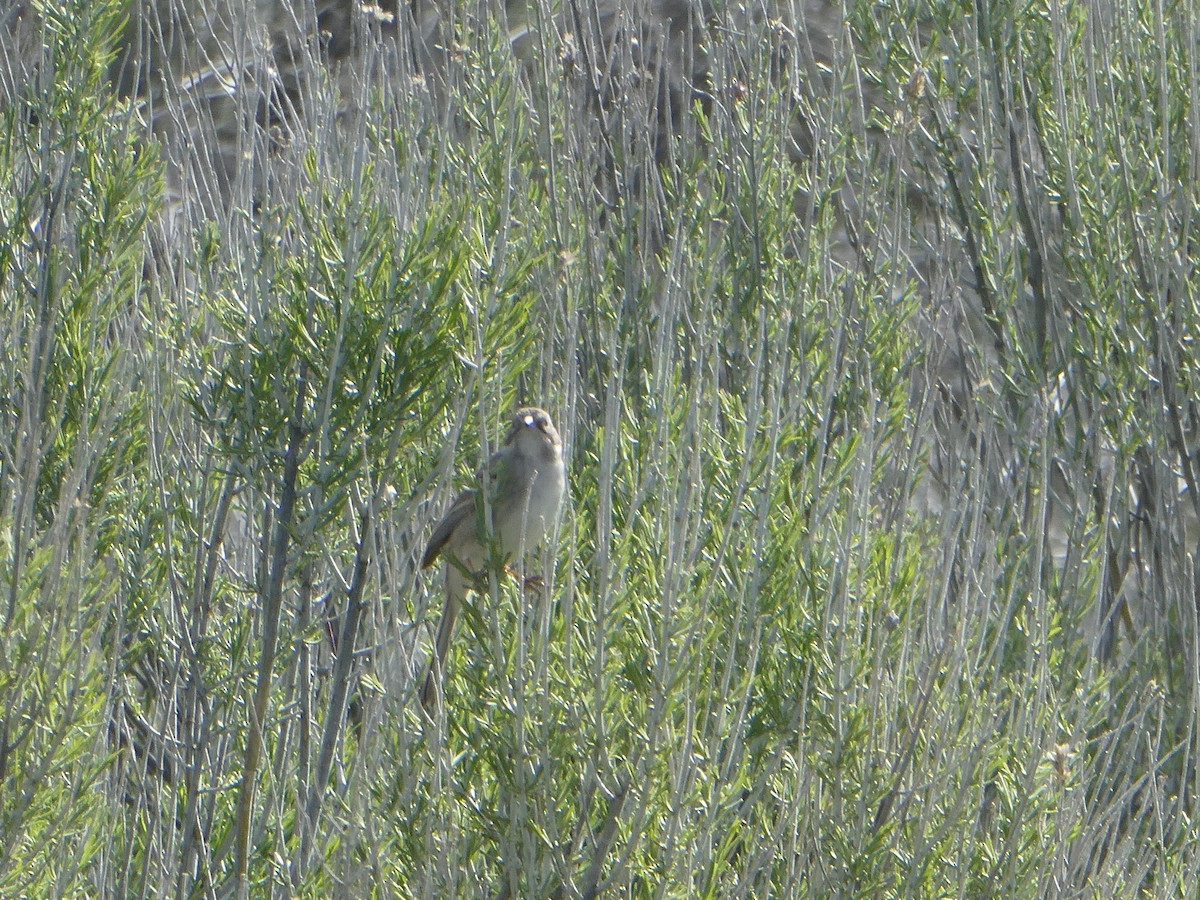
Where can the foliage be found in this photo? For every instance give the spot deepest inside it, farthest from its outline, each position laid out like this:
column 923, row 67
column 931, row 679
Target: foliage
column 872, row 348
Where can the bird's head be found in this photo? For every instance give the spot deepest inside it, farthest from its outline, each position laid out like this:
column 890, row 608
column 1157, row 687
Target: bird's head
column 531, row 427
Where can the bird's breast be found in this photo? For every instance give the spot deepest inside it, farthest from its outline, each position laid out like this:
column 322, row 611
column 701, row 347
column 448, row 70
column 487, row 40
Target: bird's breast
column 530, row 523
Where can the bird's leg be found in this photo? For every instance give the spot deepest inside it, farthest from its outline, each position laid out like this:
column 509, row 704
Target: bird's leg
column 529, row 582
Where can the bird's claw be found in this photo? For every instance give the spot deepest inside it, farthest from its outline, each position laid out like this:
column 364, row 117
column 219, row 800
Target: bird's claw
column 529, row 582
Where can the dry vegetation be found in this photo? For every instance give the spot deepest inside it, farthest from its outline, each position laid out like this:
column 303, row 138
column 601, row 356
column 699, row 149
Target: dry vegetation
column 872, row 332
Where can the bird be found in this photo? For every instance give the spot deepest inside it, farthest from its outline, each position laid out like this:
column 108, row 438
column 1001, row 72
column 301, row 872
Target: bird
column 525, row 480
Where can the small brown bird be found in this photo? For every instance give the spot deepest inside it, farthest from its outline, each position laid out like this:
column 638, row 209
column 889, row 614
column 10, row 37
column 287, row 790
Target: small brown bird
column 524, row 479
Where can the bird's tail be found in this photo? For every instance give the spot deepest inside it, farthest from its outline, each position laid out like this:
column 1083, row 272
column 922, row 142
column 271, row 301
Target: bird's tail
column 432, row 690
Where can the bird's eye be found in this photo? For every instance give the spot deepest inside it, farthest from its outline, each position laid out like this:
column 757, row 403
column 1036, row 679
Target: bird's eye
column 530, row 421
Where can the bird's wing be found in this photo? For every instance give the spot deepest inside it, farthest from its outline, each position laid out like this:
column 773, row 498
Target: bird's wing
column 462, row 508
